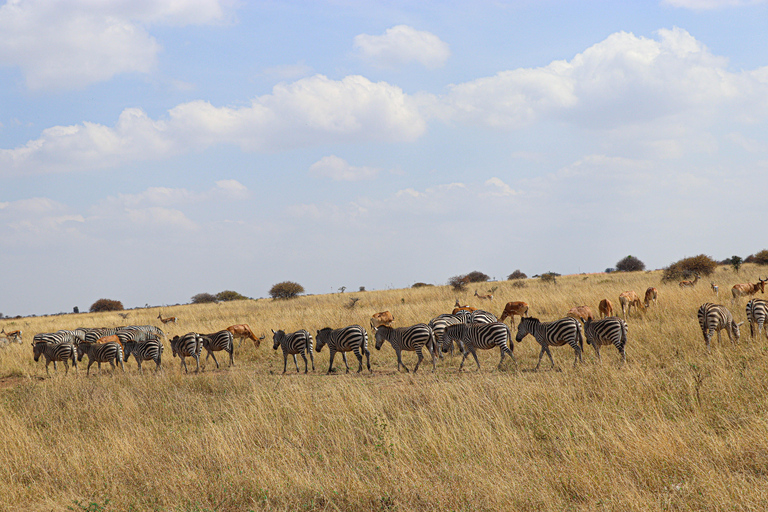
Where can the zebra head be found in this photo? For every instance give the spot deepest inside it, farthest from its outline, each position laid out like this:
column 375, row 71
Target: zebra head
column 37, row 349
column 451, row 333
column 277, row 337
column 322, row 338
column 82, row 347
column 175, row 345
column 527, row 326
column 736, row 331
column 381, row 334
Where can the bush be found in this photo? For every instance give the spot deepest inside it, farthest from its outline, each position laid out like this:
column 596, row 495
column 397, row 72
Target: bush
column 630, row 264
column 228, row 295
column 761, row 258
column 735, row 262
column 477, row 277
column 203, row 298
column 286, row 290
column 516, row 275
column 549, row 277
column 519, row 284
column 106, row 305
column 458, row 283
column 701, row 264
column 420, row 285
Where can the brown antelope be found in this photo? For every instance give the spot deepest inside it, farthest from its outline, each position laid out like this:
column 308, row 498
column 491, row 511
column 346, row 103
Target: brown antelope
column 715, row 288
column 483, row 297
column 166, row 320
column 458, row 307
column 746, row 289
column 243, row 331
column 582, row 313
column 650, row 295
column 606, row 308
column 627, row 300
column 382, row 318
column 518, row 308
column 16, row 335
column 690, row 284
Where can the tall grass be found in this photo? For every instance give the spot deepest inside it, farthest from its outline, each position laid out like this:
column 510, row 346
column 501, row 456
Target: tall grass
column 674, row 429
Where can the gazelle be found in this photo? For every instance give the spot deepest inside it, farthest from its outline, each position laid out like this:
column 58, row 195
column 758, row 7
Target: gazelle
column 606, row 308
column 690, row 284
column 742, row 289
column 171, row 319
column 650, row 295
column 715, row 288
column 483, row 297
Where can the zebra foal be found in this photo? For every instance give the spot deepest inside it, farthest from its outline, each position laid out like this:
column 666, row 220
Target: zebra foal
column 110, row 353
column 55, row 352
column 471, row 337
column 607, row 331
column 150, row 350
column 299, row 342
column 557, row 333
column 351, row 338
column 217, row 341
column 188, row 345
column 716, row 317
column 757, row 312
column 411, row 338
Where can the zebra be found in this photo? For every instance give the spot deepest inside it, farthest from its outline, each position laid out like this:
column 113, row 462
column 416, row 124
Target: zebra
column 479, row 336
column 188, row 345
column 130, row 334
column 556, row 333
column 221, row 340
column 411, row 338
column 93, row 335
column 757, row 312
column 606, row 331
column 78, row 334
column 101, row 353
column 55, row 352
column 438, row 325
column 56, row 337
column 478, row 316
column 715, row 317
column 150, row 350
column 149, row 329
column 352, row 337
column 294, row 343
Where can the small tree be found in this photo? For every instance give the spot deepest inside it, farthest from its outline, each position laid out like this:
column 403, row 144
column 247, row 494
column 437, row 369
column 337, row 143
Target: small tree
column 736, row 263
column 516, row 275
column 549, row 277
column 102, row 305
column 458, row 283
column 630, row 264
column 761, row 258
column 286, row 290
column 203, row 298
column 476, row 277
column 228, row 295
column 419, row 285
column 702, row 265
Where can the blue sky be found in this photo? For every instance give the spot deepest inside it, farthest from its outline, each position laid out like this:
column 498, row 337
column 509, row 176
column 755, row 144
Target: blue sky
column 150, row 151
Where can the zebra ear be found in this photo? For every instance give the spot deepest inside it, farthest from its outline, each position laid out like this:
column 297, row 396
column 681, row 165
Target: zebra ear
column 273, row 331
column 738, row 324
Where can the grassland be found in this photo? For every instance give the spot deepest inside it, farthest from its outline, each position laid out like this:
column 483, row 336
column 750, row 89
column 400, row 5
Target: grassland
column 674, row 429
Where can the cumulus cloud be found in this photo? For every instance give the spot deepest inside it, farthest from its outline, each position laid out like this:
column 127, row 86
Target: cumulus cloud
column 401, row 45
column 311, row 111
column 339, row 169
column 66, row 45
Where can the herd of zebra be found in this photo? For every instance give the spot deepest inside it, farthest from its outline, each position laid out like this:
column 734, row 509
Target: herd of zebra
column 468, row 328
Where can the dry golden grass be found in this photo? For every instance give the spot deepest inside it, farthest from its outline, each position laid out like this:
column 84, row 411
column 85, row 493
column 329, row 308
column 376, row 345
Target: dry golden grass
column 674, row 429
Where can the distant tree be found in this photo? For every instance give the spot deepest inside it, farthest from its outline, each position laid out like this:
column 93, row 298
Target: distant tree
column 286, row 290
column 106, row 305
column 735, row 262
column 228, row 295
column 761, row 258
column 701, row 264
column 203, row 298
column 549, row 277
column 477, row 277
column 458, row 283
column 420, row 285
column 516, row 275
column 342, row 289
column 362, row 289
column 630, row 264
column 74, row 310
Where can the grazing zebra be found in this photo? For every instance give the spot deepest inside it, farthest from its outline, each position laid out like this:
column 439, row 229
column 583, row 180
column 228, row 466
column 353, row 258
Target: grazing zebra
column 557, row 334
column 610, row 330
column 56, row 337
column 55, row 352
column 92, row 335
column 411, row 338
column 189, row 345
column 149, row 329
column 715, row 317
column 110, row 353
column 221, row 340
column 150, row 350
column 438, row 325
column 476, row 317
column 293, row 343
column 479, row 336
column 351, row 338
column 757, row 312
column 130, row 334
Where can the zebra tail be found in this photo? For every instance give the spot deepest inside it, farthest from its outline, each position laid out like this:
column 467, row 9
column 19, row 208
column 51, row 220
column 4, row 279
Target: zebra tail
column 580, row 338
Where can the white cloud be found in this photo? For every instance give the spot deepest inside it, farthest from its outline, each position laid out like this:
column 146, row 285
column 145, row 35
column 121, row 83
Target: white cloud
column 66, row 45
column 402, row 45
column 499, row 188
column 308, row 112
column 339, row 169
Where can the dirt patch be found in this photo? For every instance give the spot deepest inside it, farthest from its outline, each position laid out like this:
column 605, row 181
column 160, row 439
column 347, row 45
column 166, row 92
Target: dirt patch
column 10, row 382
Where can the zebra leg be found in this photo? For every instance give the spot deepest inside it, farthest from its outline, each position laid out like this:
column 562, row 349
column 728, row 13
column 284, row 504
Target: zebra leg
column 597, row 351
column 113, row 367
column 333, row 354
column 344, row 356
column 418, row 362
column 306, row 366
column 88, row 372
column 296, row 362
column 47, row 372
column 232, row 355
column 473, row 351
column 311, row 358
column 66, row 367
column 368, row 356
column 359, row 357
column 400, row 361
column 197, row 360
column 463, row 359
column 138, row 361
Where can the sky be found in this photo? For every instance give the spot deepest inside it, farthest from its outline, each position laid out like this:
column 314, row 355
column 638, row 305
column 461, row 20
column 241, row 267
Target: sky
column 154, row 150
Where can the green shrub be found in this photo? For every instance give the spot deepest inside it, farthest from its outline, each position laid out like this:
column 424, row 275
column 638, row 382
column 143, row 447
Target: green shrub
column 702, row 265
column 285, row 290
column 516, row 275
column 203, row 298
column 630, row 264
column 228, row 295
column 106, row 305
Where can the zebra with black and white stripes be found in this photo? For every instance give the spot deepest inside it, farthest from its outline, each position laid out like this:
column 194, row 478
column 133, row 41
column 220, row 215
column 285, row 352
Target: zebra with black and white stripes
column 478, row 316
column 93, row 335
column 221, row 340
column 757, row 313
column 412, row 339
column 472, row 337
column 56, row 337
column 556, row 333
column 607, row 331
column 99, row 353
column 131, row 334
column 299, row 342
column 55, row 352
column 715, row 317
column 438, row 326
column 188, row 345
column 351, row 338
column 149, row 329
column 150, row 350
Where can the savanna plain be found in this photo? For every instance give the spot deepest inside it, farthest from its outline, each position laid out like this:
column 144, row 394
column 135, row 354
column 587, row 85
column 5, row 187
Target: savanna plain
column 674, row 428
